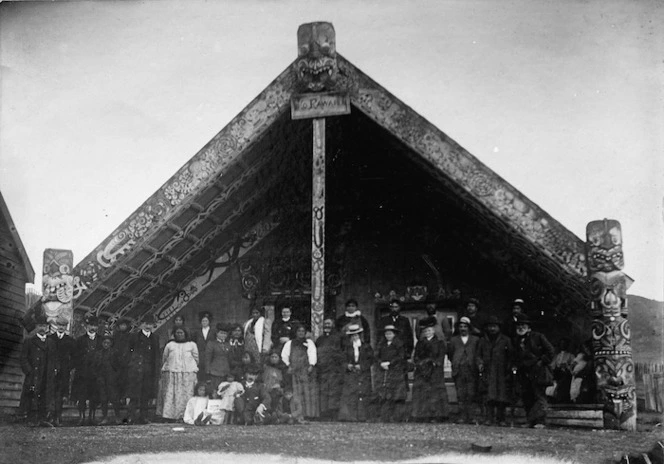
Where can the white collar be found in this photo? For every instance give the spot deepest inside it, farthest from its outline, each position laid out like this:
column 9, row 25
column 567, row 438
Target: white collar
column 147, row 333
column 41, row 337
column 353, row 314
column 60, row 335
column 285, row 319
column 92, row 336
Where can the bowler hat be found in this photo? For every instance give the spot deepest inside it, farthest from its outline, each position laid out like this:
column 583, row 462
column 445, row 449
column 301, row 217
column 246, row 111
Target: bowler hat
column 353, row 329
column 427, row 322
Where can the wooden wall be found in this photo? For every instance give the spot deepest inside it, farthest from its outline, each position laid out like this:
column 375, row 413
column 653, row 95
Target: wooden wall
column 12, row 307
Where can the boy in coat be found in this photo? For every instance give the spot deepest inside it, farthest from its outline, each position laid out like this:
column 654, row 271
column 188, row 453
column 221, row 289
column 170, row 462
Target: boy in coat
column 107, row 367
column 143, row 371
column 63, row 351
column 36, row 363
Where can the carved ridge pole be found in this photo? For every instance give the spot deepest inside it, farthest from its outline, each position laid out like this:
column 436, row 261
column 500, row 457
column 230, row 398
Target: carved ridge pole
column 611, row 334
column 318, row 229
column 316, row 72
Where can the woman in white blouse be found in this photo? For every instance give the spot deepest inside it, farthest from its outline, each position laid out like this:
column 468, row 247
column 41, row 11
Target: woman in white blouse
column 300, row 356
column 179, row 370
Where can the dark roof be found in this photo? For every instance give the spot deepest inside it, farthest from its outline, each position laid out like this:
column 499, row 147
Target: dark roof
column 233, row 192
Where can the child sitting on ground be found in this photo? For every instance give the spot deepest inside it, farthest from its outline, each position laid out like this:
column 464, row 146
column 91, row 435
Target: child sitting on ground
column 228, row 391
column 285, row 408
column 196, row 411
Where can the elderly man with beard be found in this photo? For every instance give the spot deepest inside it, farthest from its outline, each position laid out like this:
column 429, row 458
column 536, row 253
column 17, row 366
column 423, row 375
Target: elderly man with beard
column 330, row 370
column 533, row 353
column 495, row 357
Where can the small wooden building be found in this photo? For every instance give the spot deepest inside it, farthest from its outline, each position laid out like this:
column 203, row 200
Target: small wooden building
column 15, row 272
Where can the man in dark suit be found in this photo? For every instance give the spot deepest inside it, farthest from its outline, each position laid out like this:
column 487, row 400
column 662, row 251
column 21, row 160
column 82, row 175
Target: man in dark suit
column 36, row 360
column 143, row 371
column 402, row 324
column 62, row 364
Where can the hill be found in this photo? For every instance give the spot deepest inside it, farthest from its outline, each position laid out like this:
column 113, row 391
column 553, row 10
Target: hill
column 646, row 319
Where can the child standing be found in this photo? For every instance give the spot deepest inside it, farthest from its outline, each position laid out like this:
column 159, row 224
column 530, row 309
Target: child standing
column 228, row 391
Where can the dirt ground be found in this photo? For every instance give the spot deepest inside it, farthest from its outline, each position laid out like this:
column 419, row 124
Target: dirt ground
column 329, row 441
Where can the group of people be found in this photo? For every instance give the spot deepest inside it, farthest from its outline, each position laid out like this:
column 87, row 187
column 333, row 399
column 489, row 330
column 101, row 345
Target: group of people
column 263, row 371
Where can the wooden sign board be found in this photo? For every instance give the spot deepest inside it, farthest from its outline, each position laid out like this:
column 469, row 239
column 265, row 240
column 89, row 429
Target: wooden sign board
column 319, row 105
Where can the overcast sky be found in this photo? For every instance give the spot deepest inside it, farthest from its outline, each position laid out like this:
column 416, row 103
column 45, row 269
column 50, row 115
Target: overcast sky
column 103, row 101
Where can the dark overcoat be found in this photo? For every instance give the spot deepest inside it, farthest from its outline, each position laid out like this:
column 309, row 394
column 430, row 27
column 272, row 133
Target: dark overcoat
column 391, row 382
column 330, row 367
column 217, row 358
column 202, row 342
column 85, row 380
column 107, row 364
column 121, row 346
column 37, row 365
column 405, row 333
column 429, row 391
column 356, row 393
column 495, row 356
column 62, row 362
column 144, row 366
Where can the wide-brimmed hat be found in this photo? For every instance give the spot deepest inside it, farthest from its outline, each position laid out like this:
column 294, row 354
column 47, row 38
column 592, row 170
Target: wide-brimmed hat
column 353, row 329
column 390, row 327
column 518, row 301
column 493, row 320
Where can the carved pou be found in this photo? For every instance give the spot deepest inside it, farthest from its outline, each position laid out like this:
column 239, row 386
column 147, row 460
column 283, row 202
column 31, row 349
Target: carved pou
column 611, row 336
column 316, row 66
column 57, row 285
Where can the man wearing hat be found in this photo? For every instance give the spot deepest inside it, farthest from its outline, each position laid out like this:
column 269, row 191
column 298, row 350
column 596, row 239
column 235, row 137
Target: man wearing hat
column 37, row 365
column 533, row 354
column 462, row 352
column 402, row 324
column 143, row 373
column 63, row 351
column 121, row 346
column 84, row 388
column 509, row 325
column 494, row 361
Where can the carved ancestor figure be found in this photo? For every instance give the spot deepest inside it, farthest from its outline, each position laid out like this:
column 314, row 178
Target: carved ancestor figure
column 316, row 66
column 57, row 285
column 614, row 369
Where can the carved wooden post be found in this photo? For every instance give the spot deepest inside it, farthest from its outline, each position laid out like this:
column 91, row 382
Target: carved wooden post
column 316, row 71
column 57, row 286
column 614, row 369
column 318, row 229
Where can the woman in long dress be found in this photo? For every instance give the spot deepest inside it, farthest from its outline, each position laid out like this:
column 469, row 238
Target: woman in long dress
column 356, row 393
column 299, row 355
column 178, row 376
column 429, row 392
